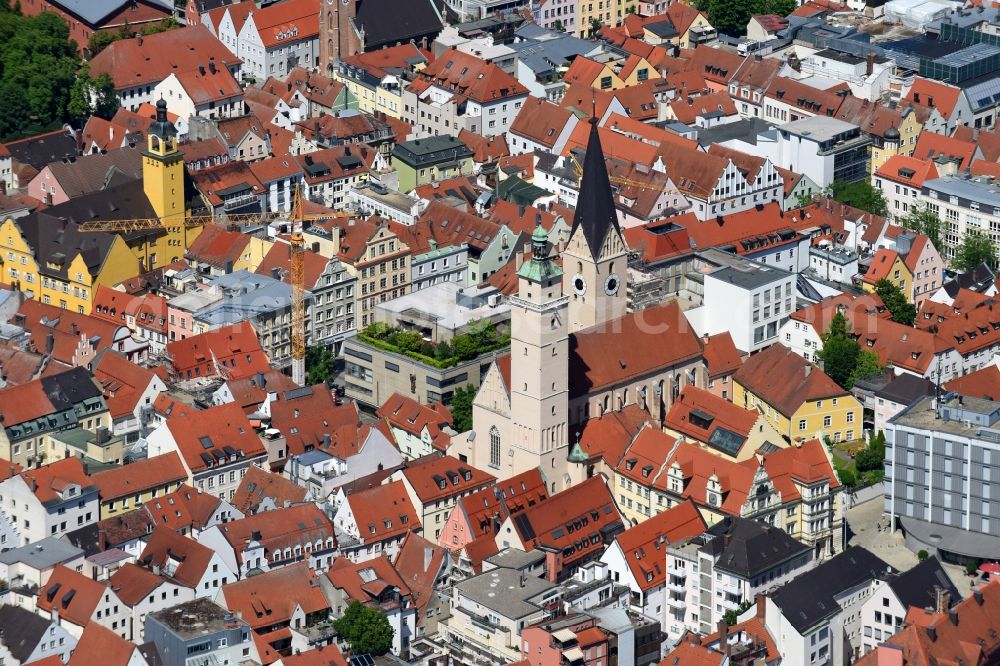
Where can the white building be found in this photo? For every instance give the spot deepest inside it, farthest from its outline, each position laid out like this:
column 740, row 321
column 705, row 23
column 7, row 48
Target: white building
column 142, row 592
column 35, row 638
column 833, row 263
column 868, row 77
column 50, row 500
column 964, row 205
column 275, row 40
column 733, row 561
column 209, row 92
column 746, row 298
column 815, row 618
column 882, row 614
column 373, row 198
column 822, row 148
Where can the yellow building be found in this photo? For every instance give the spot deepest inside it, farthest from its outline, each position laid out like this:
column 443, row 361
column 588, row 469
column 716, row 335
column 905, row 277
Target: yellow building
column 637, row 69
column 370, row 87
column 889, row 265
column 602, row 12
column 799, row 399
column 897, row 140
column 597, row 75
column 128, row 487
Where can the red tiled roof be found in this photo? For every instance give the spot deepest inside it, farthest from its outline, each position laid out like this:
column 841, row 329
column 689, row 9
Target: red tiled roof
column 934, row 94
column 183, row 509
column 721, row 355
column 484, row 149
column 968, row 634
column 450, row 226
column 329, row 655
column 976, row 329
column 541, row 121
column 250, row 391
column 931, row 145
column 133, row 583
column 571, row 521
column 411, row 416
column 100, row 645
column 418, row 564
column 908, row 170
column 140, row 476
column 287, row 22
column 698, row 415
column 688, row 109
column 771, row 22
column 983, row 383
column 203, row 85
column 881, row 266
column 312, row 419
column 378, row 62
column 277, row 263
column 608, row 355
column 435, row 479
column 207, row 437
column 469, row 77
column 372, row 507
column 74, row 595
column 270, row 598
column 379, row 574
column 123, row 383
column 609, row 435
column 235, row 346
column 149, row 59
column 806, row 463
column 644, row 546
column 149, row 310
column 785, row 380
column 482, row 506
column 279, row 529
column 988, row 142
column 583, row 70
column 259, row 484
column 67, row 328
column 180, row 558
column 49, row 480
column 210, row 182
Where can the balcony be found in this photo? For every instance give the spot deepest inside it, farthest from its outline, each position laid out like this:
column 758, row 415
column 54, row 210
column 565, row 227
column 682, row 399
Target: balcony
column 677, row 572
column 732, row 587
column 675, row 585
column 730, row 604
column 675, row 602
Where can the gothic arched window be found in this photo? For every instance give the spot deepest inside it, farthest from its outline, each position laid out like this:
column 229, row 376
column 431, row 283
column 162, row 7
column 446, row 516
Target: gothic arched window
column 494, row 447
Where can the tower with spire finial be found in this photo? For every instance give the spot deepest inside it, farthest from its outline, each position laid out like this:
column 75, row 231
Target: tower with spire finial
column 594, row 259
column 539, row 391
column 163, row 167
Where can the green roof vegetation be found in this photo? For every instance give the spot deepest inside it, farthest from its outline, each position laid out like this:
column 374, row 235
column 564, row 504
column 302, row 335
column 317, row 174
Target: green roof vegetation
column 482, row 338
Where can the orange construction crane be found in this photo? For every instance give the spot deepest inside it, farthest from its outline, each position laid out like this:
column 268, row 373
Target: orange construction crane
column 296, row 259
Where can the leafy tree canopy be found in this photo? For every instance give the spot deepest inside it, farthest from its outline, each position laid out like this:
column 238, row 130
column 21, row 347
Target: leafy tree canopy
column 924, row 221
column 320, row 363
column 900, row 309
column 38, row 66
column 461, row 408
column 859, row 195
column 843, row 359
column 364, row 629
column 732, row 16
column 976, row 248
column 100, row 40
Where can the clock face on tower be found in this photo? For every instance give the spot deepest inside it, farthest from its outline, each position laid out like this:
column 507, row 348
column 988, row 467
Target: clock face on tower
column 611, row 285
column 579, row 284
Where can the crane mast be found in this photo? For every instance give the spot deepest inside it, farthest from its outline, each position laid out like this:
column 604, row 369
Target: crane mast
column 297, row 279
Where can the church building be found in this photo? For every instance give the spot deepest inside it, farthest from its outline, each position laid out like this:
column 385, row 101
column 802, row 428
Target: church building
column 576, row 352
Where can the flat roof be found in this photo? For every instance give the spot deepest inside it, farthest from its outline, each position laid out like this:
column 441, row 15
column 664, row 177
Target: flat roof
column 43, row 554
column 984, row 191
column 447, row 304
column 505, row 591
column 820, row 128
column 922, row 415
column 197, row 618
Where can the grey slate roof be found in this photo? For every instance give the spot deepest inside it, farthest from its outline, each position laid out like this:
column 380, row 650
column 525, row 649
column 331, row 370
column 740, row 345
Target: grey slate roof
column 431, row 150
column 916, row 587
column 41, row 150
column 746, row 548
column 595, row 207
column 94, row 11
column 809, row 599
column 906, row 388
column 22, row 631
column 388, row 22
column 43, row 554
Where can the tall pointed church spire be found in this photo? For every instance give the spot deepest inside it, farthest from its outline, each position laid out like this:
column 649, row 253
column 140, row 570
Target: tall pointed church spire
column 595, row 207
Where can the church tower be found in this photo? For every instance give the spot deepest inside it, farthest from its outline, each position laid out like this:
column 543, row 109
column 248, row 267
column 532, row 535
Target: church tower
column 163, row 184
column 337, row 38
column 594, row 260
column 540, row 368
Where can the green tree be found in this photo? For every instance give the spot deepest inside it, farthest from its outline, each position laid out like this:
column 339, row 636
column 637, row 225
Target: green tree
column 558, row 25
column 731, row 616
column 976, row 248
column 847, row 476
column 900, row 309
column 859, row 195
column 90, row 96
column 971, row 567
column 924, row 221
column 461, row 408
column 595, row 27
column 364, row 629
column 320, row 363
column 865, row 365
column 100, row 40
column 38, row 64
column 922, row 555
column 840, row 351
column 730, row 16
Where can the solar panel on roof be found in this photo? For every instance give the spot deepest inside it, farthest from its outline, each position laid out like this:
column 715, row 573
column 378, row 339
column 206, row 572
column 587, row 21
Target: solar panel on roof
column 726, row 440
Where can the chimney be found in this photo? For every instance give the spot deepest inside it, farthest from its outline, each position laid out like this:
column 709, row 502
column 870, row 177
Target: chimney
column 870, row 64
column 761, row 602
column 723, row 637
column 276, row 273
column 156, row 569
column 808, row 369
column 55, row 615
column 211, row 66
column 942, row 600
column 50, row 343
column 932, row 633
column 977, row 594
column 953, row 616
